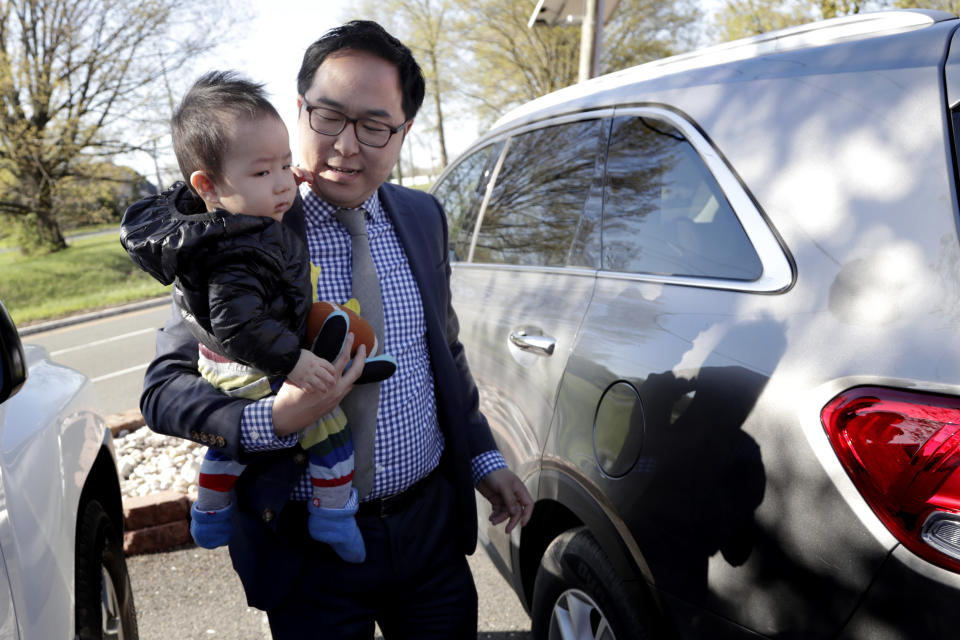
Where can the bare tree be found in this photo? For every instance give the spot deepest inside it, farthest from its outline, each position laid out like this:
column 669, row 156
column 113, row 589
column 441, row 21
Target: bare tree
column 73, row 75
column 506, row 63
column 425, row 27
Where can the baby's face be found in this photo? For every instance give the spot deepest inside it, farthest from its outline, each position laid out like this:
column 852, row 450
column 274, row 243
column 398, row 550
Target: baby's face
column 257, row 179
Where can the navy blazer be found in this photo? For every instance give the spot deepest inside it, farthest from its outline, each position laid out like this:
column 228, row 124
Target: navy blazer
column 177, row 402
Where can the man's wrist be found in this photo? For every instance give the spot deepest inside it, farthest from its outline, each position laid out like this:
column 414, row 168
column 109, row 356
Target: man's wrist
column 257, row 431
column 484, row 463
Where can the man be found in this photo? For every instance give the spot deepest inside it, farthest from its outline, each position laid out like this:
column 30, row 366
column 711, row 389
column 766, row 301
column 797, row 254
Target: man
column 359, row 90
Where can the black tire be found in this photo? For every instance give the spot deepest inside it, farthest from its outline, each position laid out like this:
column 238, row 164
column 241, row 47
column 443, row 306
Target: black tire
column 577, row 586
column 104, row 596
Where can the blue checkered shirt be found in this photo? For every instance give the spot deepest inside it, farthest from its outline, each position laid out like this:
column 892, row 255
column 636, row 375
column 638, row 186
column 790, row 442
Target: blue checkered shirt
column 408, row 441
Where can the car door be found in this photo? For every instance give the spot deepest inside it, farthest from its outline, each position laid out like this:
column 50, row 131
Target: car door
column 675, row 348
column 8, row 617
column 526, row 279
column 13, row 374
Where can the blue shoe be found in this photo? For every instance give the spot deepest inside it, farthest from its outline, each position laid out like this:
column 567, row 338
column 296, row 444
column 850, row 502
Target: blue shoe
column 338, row 528
column 211, row 529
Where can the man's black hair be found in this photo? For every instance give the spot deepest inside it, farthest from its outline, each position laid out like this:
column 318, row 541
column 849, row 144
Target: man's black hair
column 202, row 122
column 368, row 36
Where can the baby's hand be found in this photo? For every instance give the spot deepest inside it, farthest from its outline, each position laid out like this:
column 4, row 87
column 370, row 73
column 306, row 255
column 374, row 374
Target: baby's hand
column 312, row 373
column 302, row 175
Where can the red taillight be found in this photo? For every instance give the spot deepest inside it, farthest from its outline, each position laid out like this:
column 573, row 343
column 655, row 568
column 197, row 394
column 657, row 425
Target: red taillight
column 902, row 451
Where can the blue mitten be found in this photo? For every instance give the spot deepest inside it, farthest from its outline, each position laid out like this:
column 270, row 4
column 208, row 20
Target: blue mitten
column 211, row 529
column 338, row 528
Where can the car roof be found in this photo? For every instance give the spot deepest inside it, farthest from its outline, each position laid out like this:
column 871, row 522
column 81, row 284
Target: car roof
column 845, row 29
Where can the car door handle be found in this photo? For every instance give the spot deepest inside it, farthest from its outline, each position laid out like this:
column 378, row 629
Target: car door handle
column 538, row 344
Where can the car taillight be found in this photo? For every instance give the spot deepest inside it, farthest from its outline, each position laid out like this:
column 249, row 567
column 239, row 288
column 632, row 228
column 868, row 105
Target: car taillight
column 902, row 451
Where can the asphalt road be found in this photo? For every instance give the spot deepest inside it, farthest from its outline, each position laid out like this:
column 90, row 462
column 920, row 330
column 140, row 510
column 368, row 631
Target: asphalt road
column 193, row 593
column 113, row 351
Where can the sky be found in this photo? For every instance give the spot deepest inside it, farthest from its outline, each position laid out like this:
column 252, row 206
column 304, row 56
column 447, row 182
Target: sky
column 269, row 50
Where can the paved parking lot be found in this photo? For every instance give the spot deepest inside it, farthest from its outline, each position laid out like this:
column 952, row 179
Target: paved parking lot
column 193, row 593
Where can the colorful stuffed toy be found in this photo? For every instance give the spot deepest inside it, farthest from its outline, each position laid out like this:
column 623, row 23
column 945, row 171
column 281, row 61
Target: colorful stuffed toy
column 327, row 326
column 328, row 443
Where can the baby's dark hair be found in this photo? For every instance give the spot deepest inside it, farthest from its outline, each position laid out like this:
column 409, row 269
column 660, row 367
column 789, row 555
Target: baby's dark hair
column 201, row 123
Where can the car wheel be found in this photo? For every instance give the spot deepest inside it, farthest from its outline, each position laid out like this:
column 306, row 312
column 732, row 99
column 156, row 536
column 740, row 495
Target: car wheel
column 104, row 596
column 578, row 595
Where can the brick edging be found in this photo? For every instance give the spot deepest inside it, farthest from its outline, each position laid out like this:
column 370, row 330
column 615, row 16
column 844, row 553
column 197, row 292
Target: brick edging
column 154, row 522
column 129, row 420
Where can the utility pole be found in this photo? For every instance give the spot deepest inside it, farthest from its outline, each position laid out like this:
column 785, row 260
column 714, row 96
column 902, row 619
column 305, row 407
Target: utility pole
column 590, row 14
column 591, row 35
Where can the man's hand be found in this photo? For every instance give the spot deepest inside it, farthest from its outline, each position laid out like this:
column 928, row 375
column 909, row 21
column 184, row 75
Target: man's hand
column 295, row 408
column 508, row 497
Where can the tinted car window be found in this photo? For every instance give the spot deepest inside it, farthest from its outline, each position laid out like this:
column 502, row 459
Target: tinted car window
column 541, row 191
column 664, row 213
column 460, row 193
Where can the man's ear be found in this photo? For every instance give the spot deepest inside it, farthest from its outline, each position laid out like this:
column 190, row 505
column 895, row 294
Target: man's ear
column 205, row 188
column 406, row 128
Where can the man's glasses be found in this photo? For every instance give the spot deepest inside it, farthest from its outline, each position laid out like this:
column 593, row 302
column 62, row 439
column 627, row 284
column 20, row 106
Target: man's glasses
column 329, row 122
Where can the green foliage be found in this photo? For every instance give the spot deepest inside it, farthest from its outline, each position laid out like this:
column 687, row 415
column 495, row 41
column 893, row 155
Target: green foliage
column 505, row 63
column 950, row 6
column 98, row 194
column 644, row 30
column 743, row 18
column 23, row 234
column 92, row 273
column 426, row 27
column 480, row 57
column 76, row 78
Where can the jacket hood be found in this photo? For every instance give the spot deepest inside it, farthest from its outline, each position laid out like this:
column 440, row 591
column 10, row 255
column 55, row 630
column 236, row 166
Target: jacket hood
column 163, row 233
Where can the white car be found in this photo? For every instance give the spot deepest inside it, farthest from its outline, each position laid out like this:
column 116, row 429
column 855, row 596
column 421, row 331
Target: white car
column 62, row 568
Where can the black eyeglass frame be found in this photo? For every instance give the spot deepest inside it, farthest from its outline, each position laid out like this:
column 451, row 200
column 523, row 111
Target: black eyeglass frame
column 310, row 108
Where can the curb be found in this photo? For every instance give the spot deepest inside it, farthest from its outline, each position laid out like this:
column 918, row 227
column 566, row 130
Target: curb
column 154, row 522
column 93, row 315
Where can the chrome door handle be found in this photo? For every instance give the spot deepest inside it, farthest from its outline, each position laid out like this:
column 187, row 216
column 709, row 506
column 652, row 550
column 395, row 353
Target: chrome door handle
column 538, row 344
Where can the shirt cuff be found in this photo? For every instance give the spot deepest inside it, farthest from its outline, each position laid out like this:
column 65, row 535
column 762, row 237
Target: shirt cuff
column 256, row 428
column 485, row 463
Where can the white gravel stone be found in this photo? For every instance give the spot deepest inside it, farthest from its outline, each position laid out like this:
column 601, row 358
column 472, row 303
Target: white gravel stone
column 150, row 462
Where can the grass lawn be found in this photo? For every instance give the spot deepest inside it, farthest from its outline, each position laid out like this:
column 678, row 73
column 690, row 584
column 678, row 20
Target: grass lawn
column 92, row 273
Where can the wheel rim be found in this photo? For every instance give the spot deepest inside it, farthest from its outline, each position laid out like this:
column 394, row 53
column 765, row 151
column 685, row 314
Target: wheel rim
column 110, row 607
column 577, row 617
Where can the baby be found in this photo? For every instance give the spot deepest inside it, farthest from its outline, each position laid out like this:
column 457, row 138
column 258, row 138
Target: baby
column 242, row 281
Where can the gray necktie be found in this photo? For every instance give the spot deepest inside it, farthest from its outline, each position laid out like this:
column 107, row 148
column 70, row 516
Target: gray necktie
column 360, row 405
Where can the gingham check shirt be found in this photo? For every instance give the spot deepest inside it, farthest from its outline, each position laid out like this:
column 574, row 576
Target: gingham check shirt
column 408, row 440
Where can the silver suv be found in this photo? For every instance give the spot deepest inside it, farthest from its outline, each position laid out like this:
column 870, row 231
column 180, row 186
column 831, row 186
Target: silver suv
column 713, row 307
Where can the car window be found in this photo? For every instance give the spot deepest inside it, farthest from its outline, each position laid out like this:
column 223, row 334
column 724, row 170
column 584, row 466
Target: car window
column 664, row 212
column 461, row 192
column 539, row 197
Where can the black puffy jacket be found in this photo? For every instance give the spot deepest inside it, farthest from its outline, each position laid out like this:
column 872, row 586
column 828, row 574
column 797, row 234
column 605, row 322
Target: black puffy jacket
column 241, row 282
